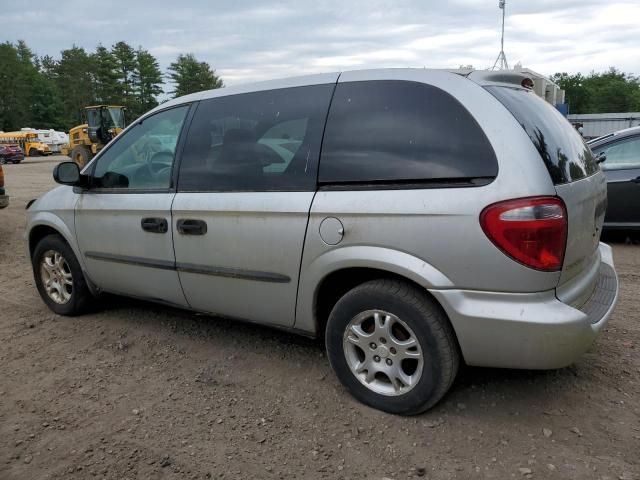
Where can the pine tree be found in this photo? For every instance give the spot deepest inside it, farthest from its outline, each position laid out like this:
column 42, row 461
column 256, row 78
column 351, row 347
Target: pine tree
column 147, row 81
column 125, row 59
column 189, row 76
column 105, row 76
column 11, row 90
column 73, row 75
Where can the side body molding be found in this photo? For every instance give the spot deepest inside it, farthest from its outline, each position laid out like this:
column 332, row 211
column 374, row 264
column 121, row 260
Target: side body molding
column 359, row 256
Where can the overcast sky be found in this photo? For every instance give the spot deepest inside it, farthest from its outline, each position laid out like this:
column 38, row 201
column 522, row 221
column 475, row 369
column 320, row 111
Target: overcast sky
column 249, row 40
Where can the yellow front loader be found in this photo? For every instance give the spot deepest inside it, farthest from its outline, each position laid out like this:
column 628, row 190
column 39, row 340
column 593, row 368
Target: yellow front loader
column 103, row 123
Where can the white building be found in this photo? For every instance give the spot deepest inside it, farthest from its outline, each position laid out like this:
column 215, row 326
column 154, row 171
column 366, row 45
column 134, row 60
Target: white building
column 50, row 137
column 543, row 87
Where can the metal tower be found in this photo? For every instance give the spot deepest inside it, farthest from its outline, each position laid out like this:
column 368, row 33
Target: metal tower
column 501, row 61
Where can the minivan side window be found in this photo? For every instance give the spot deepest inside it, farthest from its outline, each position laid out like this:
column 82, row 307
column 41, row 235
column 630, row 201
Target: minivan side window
column 259, row 141
column 624, row 154
column 143, row 158
column 389, row 131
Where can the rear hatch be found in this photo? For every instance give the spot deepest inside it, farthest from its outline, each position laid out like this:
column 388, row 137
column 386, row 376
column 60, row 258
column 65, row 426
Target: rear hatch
column 577, row 180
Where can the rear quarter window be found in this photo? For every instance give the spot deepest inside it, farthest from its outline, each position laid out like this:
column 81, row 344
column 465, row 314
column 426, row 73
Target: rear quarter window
column 398, row 131
column 562, row 149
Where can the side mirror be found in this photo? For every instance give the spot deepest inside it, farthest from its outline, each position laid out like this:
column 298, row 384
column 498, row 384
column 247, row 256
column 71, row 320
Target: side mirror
column 601, row 157
column 68, row 173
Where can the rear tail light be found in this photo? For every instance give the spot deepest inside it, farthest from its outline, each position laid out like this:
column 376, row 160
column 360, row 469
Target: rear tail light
column 1, row 177
column 532, row 231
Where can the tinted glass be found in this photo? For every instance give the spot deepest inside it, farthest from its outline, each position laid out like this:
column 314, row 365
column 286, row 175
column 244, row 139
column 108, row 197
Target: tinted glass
column 564, row 152
column 256, row 141
column 621, row 155
column 143, row 157
column 385, row 131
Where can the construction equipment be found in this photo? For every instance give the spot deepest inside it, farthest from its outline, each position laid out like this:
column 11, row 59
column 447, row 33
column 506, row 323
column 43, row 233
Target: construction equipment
column 102, row 124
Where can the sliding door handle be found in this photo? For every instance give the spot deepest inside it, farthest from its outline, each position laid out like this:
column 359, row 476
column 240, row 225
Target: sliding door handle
column 155, row 225
column 190, row 226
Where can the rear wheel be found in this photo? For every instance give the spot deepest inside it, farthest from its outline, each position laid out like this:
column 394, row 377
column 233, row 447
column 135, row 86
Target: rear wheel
column 81, row 155
column 59, row 278
column 392, row 346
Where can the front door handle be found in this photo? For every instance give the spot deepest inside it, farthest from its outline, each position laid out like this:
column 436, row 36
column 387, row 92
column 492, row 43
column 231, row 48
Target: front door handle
column 636, row 180
column 155, row 225
column 190, row 226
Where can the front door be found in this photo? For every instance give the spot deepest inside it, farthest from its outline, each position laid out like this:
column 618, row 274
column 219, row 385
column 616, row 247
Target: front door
column 123, row 222
column 622, row 169
column 247, row 179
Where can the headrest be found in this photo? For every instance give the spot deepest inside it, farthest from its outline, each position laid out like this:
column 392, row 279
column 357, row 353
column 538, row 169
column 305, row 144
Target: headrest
column 238, row 135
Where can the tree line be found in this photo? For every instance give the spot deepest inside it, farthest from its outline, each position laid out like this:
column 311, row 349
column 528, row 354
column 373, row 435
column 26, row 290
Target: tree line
column 44, row 92
column 608, row 92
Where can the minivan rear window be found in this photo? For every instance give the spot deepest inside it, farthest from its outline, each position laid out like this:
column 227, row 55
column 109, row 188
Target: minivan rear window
column 391, row 131
column 564, row 152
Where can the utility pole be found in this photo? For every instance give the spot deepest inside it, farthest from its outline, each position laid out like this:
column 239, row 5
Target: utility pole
column 501, row 61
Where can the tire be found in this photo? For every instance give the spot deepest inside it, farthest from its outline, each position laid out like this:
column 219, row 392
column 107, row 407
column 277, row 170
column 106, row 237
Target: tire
column 431, row 363
column 3, row 161
column 71, row 298
column 81, row 155
column 34, row 153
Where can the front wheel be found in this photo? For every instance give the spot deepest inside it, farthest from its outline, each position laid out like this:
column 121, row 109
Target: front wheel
column 392, row 346
column 59, row 277
column 81, row 155
column 34, row 152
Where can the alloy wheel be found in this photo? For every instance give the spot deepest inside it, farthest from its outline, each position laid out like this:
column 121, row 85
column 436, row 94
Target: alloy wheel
column 383, row 352
column 56, row 277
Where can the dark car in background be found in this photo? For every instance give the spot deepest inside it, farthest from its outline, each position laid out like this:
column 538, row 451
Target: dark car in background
column 619, row 154
column 11, row 154
column 4, row 199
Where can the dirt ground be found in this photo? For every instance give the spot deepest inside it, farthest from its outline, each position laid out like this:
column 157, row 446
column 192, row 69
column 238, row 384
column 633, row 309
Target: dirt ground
column 138, row 390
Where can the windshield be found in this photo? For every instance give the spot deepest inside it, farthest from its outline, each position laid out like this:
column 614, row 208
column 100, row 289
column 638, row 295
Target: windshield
column 93, row 118
column 114, row 117
column 561, row 147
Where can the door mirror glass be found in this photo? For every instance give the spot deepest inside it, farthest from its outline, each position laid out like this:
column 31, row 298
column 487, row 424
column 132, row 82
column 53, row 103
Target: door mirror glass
column 67, row 173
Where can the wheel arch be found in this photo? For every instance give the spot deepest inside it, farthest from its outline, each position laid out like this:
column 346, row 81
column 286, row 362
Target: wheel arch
column 49, row 224
column 38, row 232
column 334, row 273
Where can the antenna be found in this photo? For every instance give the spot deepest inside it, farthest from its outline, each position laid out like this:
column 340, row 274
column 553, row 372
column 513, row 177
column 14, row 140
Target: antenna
column 501, row 61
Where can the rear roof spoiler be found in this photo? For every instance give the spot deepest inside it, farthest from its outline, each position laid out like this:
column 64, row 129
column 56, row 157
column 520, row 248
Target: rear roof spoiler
column 504, row 78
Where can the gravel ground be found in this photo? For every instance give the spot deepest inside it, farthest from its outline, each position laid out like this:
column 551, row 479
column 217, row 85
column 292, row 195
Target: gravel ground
column 138, row 390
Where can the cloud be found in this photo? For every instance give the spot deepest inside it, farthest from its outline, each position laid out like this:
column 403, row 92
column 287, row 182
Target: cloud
column 250, row 40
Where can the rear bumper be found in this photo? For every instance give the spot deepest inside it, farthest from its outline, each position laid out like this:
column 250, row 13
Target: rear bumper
column 4, row 201
column 13, row 158
column 529, row 330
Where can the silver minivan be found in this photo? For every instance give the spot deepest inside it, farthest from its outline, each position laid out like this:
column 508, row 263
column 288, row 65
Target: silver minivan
column 413, row 219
